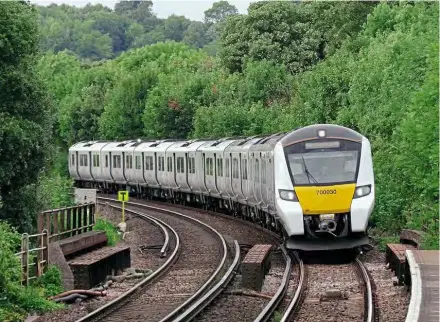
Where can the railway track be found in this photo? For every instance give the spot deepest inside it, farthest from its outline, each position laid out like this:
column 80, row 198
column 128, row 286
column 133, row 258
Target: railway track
column 140, row 304
column 297, row 304
column 242, row 307
column 343, row 304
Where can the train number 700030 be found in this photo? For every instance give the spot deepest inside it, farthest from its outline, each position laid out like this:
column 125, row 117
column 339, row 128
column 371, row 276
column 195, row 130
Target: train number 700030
column 326, row 192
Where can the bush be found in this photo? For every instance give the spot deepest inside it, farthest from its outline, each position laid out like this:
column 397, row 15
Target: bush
column 17, row 301
column 110, row 230
column 50, row 282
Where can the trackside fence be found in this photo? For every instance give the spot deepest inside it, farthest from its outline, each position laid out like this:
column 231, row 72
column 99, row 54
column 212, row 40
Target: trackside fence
column 67, row 222
column 52, row 225
column 33, row 260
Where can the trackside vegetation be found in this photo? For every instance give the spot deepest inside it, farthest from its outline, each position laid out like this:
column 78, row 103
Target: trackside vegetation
column 109, row 228
column 17, row 301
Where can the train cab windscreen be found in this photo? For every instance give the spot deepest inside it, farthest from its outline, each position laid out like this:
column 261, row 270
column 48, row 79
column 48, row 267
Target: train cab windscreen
column 323, row 162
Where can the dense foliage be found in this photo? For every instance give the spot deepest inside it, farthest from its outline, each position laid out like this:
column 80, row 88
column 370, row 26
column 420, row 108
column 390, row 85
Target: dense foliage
column 372, row 67
column 16, row 301
column 96, row 32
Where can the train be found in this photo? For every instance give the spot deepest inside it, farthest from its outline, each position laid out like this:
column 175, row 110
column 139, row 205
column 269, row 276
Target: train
column 313, row 185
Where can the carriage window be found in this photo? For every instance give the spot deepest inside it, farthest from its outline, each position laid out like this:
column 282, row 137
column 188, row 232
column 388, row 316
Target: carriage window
column 149, row 163
column 220, row 167
column 116, row 161
column 191, row 165
column 209, row 167
column 83, row 160
column 227, row 167
column 161, row 164
column 180, row 165
column 235, row 168
column 73, row 159
column 244, row 171
column 106, row 161
column 129, row 162
column 137, row 162
column 95, row 159
column 169, row 164
column 257, row 170
column 263, row 171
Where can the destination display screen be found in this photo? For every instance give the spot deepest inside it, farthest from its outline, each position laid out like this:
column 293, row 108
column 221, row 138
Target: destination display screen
column 322, row 145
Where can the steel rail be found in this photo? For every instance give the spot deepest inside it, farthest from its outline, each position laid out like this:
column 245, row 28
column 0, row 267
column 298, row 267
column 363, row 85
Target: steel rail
column 150, row 278
column 369, row 316
column 270, row 308
column 184, row 306
column 206, row 299
column 166, row 244
column 300, row 288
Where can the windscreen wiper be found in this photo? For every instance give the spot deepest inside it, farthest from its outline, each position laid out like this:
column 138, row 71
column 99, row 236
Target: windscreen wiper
column 309, row 175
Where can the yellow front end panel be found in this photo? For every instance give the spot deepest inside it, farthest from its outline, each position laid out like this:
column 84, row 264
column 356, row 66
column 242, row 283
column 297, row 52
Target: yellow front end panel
column 325, row 199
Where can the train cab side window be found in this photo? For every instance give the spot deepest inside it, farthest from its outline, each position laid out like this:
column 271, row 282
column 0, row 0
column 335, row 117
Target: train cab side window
column 235, row 168
column 227, row 167
column 220, row 167
column 244, row 167
column 169, row 164
column 106, row 161
column 73, row 159
column 137, row 162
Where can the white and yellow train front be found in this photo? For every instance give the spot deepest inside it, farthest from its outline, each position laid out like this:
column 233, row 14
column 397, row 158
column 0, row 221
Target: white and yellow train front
column 324, row 185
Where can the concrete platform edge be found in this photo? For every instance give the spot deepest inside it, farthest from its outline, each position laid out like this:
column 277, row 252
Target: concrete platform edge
column 416, row 289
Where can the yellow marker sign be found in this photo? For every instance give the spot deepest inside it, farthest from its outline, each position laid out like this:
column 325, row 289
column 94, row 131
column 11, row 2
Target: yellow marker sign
column 123, row 196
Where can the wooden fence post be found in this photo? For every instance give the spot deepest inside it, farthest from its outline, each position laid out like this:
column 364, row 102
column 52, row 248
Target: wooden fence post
column 45, row 246
column 25, row 256
column 92, row 216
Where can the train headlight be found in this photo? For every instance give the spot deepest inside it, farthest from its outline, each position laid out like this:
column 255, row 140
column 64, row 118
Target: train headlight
column 362, row 191
column 288, row 195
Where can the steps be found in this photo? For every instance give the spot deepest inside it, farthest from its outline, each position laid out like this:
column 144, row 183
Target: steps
column 85, row 259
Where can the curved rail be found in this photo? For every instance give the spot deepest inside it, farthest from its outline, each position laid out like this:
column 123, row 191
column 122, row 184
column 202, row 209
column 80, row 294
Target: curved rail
column 204, row 301
column 157, row 223
column 184, row 306
column 270, row 308
column 369, row 311
column 300, row 288
column 150, row 278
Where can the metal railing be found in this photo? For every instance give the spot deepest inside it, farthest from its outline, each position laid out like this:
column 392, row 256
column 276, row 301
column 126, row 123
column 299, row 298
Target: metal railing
column 66, row 222
column 33, row 266
column 54, row 225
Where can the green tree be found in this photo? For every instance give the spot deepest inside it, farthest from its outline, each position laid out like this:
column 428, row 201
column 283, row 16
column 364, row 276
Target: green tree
column 195, row 35
column 219, row 12
column 277, row 31
column 25, row 125
column 139, row 11
column 174, row 27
